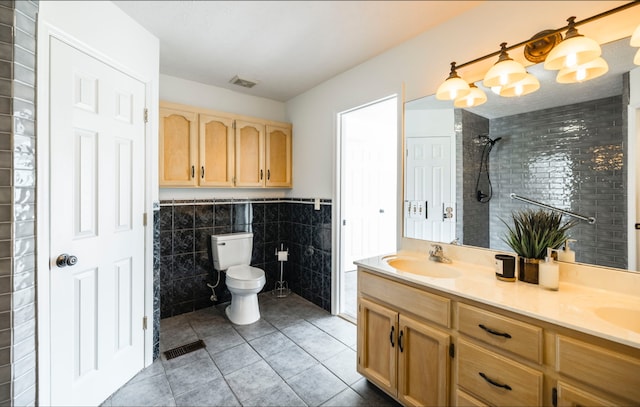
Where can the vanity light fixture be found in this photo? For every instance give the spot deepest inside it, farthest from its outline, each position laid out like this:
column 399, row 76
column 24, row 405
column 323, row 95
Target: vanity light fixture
column 574, row 50
column 577, row 58
column 505, row 72
column 584, row 72
column 453, row 87
column 523, row 87
column 476, row 97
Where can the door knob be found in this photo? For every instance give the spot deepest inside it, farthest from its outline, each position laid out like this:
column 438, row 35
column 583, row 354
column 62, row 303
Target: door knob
column 65, row 260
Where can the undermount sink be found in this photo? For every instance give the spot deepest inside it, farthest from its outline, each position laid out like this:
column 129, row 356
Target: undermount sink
column 623, row 317
column 421, row 267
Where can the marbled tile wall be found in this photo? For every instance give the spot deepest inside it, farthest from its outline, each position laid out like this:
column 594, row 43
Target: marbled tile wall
column 156, row 283
column 185, row 265
column 17, row 202
column 571, row 157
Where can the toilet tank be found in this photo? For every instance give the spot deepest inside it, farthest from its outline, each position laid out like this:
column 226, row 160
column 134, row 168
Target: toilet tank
column 231, row 249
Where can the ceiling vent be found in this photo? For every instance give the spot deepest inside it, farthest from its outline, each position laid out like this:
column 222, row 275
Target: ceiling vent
column 245, row 83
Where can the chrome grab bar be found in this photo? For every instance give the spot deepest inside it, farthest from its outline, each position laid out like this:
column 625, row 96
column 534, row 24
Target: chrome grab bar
column 589, row 219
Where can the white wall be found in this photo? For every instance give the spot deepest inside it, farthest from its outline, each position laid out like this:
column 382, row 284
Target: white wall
column 429, row 123
column 187, row 92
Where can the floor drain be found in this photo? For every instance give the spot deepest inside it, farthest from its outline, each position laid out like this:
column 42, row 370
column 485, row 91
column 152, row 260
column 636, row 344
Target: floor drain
column 184, row 349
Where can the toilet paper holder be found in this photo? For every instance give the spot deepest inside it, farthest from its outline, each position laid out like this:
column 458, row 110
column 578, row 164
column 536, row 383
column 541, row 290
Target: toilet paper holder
column 281, row 288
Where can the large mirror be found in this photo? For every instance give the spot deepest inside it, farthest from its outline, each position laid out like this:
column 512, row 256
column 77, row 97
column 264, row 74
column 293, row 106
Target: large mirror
column 564, row 145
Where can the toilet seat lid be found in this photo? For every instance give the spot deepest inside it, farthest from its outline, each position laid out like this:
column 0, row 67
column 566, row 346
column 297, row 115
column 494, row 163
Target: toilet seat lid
column 245, row 272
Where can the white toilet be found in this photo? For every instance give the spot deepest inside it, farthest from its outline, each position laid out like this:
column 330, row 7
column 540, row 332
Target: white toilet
column 232, row 252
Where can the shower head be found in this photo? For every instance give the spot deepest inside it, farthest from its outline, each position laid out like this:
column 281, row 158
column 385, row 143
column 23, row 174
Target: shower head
column 484, row 139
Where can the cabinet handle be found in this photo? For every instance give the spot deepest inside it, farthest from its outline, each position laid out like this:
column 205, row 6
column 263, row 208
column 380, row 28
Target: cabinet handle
column 400, row 340
column 391, row 336
column 261, row 175
column 268, row 175
column 202, row 172
column 493, row 382
column 193, row 171
column 496, row 333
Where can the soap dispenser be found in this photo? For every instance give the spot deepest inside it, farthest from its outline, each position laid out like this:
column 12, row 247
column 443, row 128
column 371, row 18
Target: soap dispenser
column 566, row 254
column 549, row 271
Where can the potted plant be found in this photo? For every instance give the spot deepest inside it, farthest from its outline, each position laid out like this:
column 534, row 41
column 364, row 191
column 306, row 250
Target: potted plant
column 533, row 231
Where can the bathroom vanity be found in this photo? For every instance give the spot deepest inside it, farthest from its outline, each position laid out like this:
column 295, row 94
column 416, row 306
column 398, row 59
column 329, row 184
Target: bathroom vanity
column 452, row 334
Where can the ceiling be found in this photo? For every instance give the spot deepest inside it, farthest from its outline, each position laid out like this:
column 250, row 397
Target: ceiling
column 287, row 47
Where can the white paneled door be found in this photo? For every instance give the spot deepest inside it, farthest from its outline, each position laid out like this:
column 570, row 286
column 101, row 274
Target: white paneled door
column 429, row 206
column 96, row 220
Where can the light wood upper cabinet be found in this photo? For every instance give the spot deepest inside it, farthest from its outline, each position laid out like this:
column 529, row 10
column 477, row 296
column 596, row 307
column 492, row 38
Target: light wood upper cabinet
column 204, row 148
column 216, row 151
column 278, row 156
column 250, row 171
column 178, row 147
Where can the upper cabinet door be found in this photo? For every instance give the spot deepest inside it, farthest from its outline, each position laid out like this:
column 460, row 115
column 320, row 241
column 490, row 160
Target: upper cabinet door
column 178, row 147
column 278, row 156
column 250, row 171
column 216, row 151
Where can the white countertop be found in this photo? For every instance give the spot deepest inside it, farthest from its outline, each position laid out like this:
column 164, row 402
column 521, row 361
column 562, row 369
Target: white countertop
column 572, row 306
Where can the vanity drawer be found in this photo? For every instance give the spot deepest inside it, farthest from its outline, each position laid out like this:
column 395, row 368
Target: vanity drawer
column 613, row 372
column 502, row 332
column 496, row 379
column 426, row 305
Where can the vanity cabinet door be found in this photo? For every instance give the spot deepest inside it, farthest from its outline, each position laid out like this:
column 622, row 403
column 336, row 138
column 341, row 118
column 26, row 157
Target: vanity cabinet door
column 216, row 151
column 378, row 344
column 423, row 364
column 278, row 157
column 178, row 148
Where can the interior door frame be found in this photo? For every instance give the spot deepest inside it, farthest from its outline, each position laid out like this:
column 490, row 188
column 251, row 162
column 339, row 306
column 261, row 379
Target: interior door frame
column 43, row 257
column 337, row 300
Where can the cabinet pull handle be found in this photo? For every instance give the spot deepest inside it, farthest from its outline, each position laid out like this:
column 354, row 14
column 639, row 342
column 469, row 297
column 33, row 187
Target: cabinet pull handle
column 496, row 333
column 268, row 175
column 493, row 382
column 193, row 171
column 391, row 336
column 202, row 172
column 400, row 340
column 261, row 175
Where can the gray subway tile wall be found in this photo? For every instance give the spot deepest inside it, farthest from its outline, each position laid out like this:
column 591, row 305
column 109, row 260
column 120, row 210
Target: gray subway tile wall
column 17, row 202
column 185, row 265
column 571, row 157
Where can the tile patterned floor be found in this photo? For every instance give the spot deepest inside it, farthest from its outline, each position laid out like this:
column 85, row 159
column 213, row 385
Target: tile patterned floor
column 296, row 355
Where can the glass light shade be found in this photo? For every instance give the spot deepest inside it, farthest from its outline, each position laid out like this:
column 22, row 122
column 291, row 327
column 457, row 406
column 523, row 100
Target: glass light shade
column 635, row 38
column 452, row 89
column 476, row 97
column 571, row 52
column 583, row 72
column 636, row 59
column 523, row 87
column 504, row 73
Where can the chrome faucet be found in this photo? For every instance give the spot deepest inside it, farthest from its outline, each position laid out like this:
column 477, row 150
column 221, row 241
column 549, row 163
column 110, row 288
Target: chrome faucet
column 438, row 255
